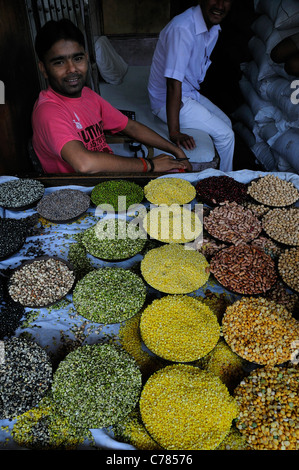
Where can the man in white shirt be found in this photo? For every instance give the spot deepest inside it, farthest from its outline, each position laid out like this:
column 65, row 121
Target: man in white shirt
column 179, row 66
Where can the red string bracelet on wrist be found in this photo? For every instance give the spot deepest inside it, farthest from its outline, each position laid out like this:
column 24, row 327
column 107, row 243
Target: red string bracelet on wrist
column 144, row 164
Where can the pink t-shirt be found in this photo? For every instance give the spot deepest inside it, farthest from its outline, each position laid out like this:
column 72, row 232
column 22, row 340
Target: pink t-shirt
column 57, row 119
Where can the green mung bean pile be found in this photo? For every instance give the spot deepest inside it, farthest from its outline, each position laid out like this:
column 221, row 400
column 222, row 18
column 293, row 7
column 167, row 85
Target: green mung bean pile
column 113, row 239
column 109, row 192
column 109, row 295
column 96, row 385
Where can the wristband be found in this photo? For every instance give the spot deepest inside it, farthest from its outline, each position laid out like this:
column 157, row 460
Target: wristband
column 152, row 165
column 145, row 167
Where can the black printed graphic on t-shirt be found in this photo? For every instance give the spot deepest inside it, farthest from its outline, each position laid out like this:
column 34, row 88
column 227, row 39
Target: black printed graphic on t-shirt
column 93, row 138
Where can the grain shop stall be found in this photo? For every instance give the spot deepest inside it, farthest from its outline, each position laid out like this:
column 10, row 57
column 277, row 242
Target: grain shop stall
column 126, row 302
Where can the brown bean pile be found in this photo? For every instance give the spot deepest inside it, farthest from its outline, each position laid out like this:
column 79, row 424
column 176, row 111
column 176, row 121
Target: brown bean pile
column 283, row 225
column 268, row 402
column 244, row 269
column 273, row 191
column 288, row 267
column 232, row 223
column 260, row 331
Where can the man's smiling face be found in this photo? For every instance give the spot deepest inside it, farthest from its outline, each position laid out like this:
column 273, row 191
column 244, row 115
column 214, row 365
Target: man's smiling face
column 214, row 11
column 65, row 66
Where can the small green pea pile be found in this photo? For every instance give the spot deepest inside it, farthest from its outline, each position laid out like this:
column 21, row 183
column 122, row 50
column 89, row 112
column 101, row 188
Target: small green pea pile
column 109, row 192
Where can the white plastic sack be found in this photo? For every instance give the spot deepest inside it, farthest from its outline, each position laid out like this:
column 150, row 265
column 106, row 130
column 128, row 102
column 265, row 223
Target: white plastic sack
column 261, row 58
column 264, row 156
column 287, row 145
column 263, row 27
column 244, row 115
column 111, row 65
column 270, row 7
column 287, row 14
column 278, row 91
column 282, row 163
column 263, row 111
column 245, row 133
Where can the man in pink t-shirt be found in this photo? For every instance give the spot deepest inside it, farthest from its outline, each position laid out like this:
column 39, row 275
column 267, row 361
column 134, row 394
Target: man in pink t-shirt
column 69, row 119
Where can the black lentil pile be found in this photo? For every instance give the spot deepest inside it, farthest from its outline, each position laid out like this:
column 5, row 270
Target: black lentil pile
column 41, row 282
column 108, row 192
column 218, row 189
column 96, row 385
column 63, row 205
column 113, row 239
column 109, row 295
column 25, row 376
column 11, row 313
column 12, row 237
column 16, row 194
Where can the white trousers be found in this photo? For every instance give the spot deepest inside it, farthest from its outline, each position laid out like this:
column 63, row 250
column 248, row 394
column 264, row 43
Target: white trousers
column 206, row 116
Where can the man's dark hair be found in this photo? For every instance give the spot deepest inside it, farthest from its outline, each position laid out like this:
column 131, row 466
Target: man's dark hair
column 54, row 31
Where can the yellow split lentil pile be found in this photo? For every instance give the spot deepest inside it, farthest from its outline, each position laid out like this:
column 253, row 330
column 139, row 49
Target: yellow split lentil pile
column 185, row 408
column 260, row 331
column 172, row 224
column 131, row 341
column 234, row 441
column 268, row 402
column 169, row 191
column 224, row 363
column 179, row 328
column 132, row 431
column 174, row 269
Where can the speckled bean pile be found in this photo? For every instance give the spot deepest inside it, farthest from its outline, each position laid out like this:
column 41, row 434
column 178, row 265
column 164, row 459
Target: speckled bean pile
column 25, row 376
column 232, row 223
column 20, row 193
column 41, row 282
column 244, row 269
column 283, row 225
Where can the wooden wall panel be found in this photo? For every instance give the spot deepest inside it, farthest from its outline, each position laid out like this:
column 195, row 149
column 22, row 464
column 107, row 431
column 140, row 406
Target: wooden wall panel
column 19, row 74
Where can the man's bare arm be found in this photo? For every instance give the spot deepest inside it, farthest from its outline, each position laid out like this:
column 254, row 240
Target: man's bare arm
column 173, row 106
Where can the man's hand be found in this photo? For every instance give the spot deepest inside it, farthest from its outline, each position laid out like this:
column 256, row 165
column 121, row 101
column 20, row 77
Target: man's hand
column 165, row 162
column 183, row 140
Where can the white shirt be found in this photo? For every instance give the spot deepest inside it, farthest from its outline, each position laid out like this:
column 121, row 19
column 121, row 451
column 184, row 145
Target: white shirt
column 183, row 52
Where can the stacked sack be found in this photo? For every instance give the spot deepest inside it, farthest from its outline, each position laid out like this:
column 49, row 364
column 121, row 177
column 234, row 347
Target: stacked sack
column 268, row 120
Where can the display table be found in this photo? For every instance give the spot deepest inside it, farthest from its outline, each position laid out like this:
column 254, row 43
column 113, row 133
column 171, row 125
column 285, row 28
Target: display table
column 52, row 327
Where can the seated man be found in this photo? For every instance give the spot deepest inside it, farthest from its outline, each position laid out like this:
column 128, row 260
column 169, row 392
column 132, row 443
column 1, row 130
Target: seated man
column 179, row 66
column 69, row 119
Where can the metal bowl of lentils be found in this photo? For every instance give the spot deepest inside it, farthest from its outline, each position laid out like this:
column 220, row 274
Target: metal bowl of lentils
column 20, row 194
column 63, row 205
column 41, row 282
